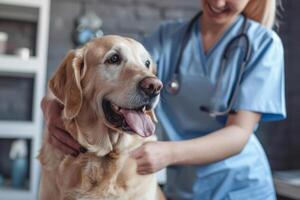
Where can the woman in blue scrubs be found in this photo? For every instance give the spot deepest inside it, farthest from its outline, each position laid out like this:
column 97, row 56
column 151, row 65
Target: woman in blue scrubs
column 214, row 158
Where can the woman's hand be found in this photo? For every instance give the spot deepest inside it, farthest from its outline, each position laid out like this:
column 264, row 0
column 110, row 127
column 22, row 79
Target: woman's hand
column 152, row 157
column 58, row 136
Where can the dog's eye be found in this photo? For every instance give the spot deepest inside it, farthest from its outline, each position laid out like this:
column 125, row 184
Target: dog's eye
column 115, row 59
column 147, row 63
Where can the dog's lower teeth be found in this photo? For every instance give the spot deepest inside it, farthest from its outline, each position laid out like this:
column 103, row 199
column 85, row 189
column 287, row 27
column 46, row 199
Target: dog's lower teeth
column 115, row 107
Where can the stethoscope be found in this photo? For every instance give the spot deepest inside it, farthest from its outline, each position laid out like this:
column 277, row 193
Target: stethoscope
column 173, row 85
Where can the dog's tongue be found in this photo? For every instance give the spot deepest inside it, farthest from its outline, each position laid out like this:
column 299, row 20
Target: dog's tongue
column 139, row 122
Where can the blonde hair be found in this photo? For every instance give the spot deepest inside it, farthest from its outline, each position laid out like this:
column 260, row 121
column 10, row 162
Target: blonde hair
column 262, row 11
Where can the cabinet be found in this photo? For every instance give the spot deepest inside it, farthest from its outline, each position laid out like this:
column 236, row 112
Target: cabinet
column 23, row 60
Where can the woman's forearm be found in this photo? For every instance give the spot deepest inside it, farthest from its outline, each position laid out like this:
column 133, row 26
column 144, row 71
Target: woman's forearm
column 216, row 146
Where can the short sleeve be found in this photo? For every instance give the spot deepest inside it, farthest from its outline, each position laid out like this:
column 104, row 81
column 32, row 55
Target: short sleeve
column 262, row 86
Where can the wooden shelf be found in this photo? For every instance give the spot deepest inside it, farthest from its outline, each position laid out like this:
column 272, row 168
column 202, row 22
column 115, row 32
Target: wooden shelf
column 13, row 64
column 7, row 192
column 27, row 3
column 13, row 194
column 16, row 129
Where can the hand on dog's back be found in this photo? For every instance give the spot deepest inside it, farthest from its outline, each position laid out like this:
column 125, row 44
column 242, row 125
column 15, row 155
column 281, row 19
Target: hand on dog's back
column 59, row 137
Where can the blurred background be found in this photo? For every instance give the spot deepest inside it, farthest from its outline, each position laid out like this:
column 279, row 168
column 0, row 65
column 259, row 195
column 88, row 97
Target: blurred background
column 35, row 35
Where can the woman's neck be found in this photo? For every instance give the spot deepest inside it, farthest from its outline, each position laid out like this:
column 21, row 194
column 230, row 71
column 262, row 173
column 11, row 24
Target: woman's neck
column 211, row 32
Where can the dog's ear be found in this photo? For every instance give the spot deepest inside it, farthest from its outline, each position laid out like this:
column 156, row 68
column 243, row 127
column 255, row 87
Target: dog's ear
column 66, row 82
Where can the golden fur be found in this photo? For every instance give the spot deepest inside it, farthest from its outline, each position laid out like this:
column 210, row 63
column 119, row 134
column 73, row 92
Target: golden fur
column 106, row 171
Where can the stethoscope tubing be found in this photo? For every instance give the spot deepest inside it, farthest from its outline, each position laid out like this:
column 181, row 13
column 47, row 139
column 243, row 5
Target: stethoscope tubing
column 173, row 86
column 174, row 80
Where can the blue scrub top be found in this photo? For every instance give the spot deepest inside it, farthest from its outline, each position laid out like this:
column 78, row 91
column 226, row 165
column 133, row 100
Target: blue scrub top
column 243, row 176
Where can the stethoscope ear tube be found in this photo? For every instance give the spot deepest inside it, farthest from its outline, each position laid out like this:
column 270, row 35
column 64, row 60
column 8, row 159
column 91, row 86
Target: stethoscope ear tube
column 248, row 51
column 173, row 85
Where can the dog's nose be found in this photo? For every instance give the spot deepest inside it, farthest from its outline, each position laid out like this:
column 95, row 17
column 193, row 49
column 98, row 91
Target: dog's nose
column 151, row 86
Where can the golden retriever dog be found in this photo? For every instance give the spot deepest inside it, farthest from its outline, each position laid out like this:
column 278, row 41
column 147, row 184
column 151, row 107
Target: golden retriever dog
column 109, row 90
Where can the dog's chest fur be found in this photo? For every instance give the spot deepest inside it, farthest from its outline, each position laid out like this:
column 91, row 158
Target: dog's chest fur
column 103, row 178
column 112, row 177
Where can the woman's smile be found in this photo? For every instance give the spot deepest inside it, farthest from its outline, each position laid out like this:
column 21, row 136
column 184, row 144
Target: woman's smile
column 217, row 13
column 218, row 10
column 222, row 12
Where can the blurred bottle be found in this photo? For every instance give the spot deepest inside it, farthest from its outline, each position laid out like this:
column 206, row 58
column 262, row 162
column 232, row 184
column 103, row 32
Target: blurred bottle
column 18, row 154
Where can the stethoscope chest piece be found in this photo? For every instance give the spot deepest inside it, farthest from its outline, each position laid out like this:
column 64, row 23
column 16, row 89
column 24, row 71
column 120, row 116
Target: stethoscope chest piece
column 173, row 85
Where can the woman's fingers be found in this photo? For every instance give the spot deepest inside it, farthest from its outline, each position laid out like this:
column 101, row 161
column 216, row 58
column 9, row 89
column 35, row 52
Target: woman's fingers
column 144, row 170
column 59, row 137
column 152, row 157
column 137, row 153
column 51, row 109
column 142, row 161
column 62, row 147
column 65, row 138
column 54, row 118
column 144, row 165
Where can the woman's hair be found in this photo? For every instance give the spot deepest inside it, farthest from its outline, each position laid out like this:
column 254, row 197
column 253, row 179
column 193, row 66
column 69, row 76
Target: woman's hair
column 262, row 11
